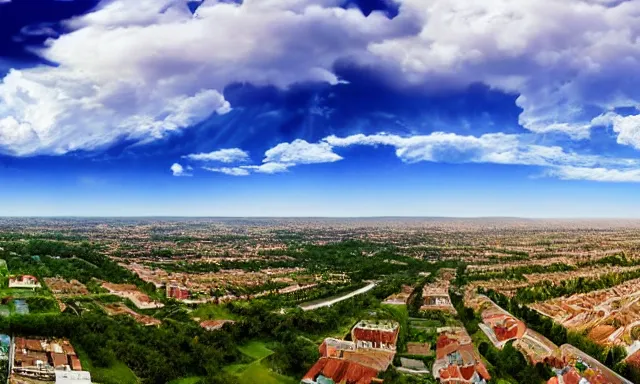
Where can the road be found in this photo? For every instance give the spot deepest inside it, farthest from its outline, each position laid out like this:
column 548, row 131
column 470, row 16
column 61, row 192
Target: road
column 330, row 302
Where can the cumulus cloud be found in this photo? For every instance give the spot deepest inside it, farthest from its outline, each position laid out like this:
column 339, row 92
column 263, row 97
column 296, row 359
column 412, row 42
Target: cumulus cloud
column 268, row 167
column 179, row 170
column 140, row 70
column 234, row 171
column 566, row 59
column 245, row 170
column 596, row 174
column 230, row 155
column 495, row 148
column 627, row 127
column 301, row 152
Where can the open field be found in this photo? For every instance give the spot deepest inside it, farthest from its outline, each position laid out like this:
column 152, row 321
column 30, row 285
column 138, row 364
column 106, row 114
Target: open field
column 186, row 380
column 255, row 350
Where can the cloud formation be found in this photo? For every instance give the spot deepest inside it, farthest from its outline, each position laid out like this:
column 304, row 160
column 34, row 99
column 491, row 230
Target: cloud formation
column 301, row 152
column 230, row 155
column 235, row 171
column 139, row 70
column 178, row 170
column 497, row 148
column 569, row 61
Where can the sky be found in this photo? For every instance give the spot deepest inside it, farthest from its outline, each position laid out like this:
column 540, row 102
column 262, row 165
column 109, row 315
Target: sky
column 320, row 108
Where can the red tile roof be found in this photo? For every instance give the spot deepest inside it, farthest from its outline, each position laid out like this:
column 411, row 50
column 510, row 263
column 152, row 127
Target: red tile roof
column 342, row 371
column 59, row 359
column 75, row 363
column 571, row 377
column 467, row 372
column 376, row 336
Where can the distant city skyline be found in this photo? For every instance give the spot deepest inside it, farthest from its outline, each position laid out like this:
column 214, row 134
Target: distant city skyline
column 320, row 108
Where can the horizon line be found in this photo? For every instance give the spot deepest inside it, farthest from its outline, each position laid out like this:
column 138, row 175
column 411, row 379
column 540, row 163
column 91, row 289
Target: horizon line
column 309, row 217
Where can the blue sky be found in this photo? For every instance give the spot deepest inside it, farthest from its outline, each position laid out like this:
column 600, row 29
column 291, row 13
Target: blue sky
column 320, row 108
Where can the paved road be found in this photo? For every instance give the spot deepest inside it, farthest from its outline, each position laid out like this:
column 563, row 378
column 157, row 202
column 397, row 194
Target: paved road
column 330, row 302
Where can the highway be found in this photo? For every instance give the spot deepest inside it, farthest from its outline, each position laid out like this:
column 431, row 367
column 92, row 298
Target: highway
column 330, row 302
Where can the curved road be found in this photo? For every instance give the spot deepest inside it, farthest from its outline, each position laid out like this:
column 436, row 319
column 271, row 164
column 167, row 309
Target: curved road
column 329, row 303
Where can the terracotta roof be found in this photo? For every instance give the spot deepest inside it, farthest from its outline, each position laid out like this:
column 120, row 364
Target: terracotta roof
column 59, row 359
column 33, row 345
column 376, row 335
column 341, row 371
column 75, row 363
column 571, row 377
column 482, row 371
column 467, row 372
column 214, row 324
column 451, row 372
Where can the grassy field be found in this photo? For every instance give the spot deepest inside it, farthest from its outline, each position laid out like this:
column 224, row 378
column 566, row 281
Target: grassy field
column 256, row 372
column 19, row 293
column 186, row 380
column 213, row 312
column 255, row 350
column 119, row 373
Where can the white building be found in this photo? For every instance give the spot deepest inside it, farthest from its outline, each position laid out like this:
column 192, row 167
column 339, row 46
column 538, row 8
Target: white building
column 73, row 377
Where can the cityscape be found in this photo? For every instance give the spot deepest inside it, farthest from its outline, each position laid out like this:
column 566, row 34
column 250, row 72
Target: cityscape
column 319, row 192
column 277, row 300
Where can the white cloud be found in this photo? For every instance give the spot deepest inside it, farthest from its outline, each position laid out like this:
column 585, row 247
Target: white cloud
column 497, row 148
column 245, row 170
column 179, row 170
column 139, row 70
column 596, row 174
column 301, row 152
column 230, row 155
column 142, row 69
column 627, row 127
column 235, row 171
column 268, row 167
column 564, row 58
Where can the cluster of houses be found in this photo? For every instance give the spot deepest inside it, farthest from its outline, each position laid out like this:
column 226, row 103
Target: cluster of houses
column 371, row 350
column 571, row 365
column 24, row 281
column 52, row 360
column 457, row 361
column 435, row 296
column 131, row 292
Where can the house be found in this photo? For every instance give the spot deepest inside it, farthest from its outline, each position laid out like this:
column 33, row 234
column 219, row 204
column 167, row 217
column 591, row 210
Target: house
column 24, row 281
column 457, row 361
column 376, row 334
column 177, row 292
column 371, row 350
column 214, row 325
column 339, row 371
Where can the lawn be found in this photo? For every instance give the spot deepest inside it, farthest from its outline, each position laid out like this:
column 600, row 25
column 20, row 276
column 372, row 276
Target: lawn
column 118, row 373
column 213, row 312
column 186, row 380
column 20, row 292
column 256, row 372
column 255, row 350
